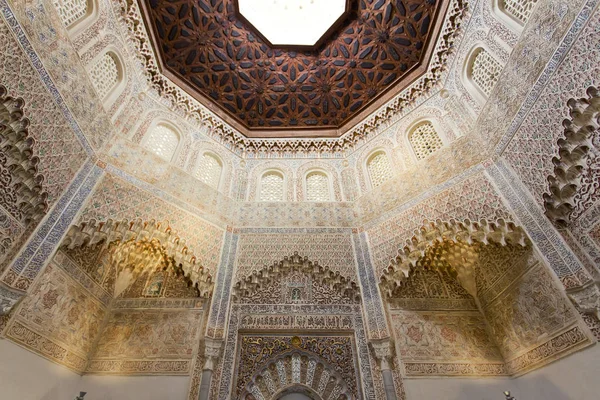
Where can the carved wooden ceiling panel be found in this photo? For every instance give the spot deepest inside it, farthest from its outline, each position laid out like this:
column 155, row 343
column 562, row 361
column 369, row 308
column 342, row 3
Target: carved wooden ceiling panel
column 275, row 92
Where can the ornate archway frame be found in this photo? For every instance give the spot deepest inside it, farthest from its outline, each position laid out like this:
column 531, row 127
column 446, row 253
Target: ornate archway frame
column 338, row 319
column 320, row 380
column 295, row 389
column 91, row 233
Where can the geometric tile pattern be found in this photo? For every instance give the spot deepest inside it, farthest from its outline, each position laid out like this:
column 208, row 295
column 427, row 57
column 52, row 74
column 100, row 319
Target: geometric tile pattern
column 262, row 86
column 71, row 10
column 520, row 9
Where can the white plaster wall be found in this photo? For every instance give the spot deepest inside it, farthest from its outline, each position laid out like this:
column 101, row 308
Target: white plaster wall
column 102, row 387
column 26, row 376
column 575, row 377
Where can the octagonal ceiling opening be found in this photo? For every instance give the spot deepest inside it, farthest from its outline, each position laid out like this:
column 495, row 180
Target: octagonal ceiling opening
column 293, row 23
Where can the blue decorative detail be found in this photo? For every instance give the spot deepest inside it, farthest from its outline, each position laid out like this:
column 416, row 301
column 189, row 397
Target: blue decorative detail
column 221, row 293
column 10, row 18
column 555, row 61
column 49, row 233
column 376, row 321
column 532, row 219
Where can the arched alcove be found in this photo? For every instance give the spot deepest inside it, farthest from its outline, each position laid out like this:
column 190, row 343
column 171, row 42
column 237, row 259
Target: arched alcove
column 272, row 185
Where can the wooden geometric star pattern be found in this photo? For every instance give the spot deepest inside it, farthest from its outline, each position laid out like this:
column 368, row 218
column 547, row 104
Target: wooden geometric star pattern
column 214, row 54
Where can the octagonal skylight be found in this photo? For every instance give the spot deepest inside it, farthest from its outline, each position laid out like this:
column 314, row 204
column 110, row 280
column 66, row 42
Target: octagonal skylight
column 292, row 22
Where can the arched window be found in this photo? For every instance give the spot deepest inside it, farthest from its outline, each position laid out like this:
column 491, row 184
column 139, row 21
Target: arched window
column 424, row 140
column 272, row 186
column 317, row 187
column 483, row 70
column 71, row 11
column 105, row 74
column 379, row 168
column 162, row 140
column 518, row 10
column 209, row 170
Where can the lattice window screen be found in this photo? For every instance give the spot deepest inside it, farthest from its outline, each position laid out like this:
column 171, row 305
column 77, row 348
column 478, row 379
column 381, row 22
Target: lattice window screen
column 105, row 74
column 163, row 141
column 71, row 11
column 520, row 9
column 317, row 187
column 209, row 170
column 271, row 187
column 485, row 71
column 425, row 140
column 379, row 169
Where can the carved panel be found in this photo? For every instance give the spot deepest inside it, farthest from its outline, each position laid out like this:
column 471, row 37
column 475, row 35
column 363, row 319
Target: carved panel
column 62, row 314
column 449, row 338
column 148, row 342
column 257, row 352
column 531, row 309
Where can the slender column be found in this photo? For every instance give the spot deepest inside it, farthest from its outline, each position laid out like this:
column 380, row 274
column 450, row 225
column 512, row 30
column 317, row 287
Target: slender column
column 382, row 349
column 373, row 305
column 212, row 352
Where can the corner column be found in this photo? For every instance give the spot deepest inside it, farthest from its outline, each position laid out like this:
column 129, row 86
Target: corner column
column 377, row 324
column 212, row 352
column 382, row 350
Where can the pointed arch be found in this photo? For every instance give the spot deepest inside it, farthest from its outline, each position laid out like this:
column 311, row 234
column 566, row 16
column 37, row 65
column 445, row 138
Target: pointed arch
column 151, row 118
column 257, row 173
column 481, row 71
column 201, row 148
column 314, row 166
column 155, row 240
column 425, row 138
column 513, row 13
column 323, row 284
column 77, row 15
column 384, row 145
column 164, row 139
column 108, row 75
column 450, row 241
column 299, row 369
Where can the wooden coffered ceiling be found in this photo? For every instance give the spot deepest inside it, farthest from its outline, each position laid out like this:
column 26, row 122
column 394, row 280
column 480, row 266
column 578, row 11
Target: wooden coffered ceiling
column 263, row 91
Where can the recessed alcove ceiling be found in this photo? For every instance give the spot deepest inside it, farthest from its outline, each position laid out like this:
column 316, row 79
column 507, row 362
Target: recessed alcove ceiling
column 334, row 70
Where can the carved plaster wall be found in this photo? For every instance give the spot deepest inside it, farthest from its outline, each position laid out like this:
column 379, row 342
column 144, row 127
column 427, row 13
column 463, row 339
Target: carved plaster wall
column 117, row 199
column 149, row 337
column 61, row 317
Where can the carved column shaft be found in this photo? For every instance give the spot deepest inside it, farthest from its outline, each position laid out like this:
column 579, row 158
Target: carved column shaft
column 212, row 352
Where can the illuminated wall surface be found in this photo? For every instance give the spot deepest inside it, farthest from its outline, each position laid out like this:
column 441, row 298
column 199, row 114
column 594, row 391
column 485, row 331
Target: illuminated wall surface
column 325, row 200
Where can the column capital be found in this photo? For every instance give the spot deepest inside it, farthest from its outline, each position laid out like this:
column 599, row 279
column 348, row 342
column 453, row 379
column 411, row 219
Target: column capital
column 586, row 298
column 8, row 298
column 212, row 352
column 383, row 351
